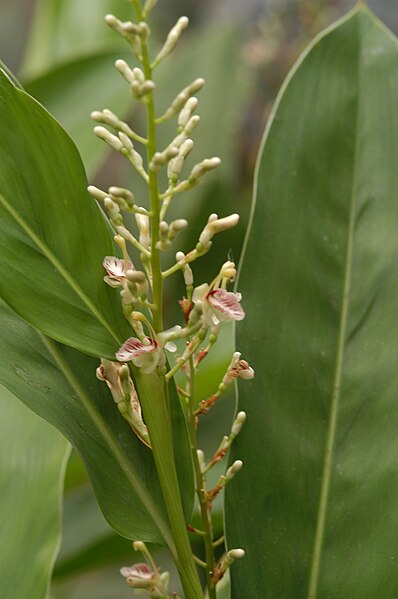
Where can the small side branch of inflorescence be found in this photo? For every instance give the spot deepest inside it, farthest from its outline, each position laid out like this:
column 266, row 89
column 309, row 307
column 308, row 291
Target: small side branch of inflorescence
column 205, row 512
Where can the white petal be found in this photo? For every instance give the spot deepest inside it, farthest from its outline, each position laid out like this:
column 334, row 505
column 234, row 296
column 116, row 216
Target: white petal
column 226, row 304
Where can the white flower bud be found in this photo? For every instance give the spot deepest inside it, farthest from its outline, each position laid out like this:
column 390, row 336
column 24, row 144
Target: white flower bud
column 120, row 192
column 228, row 270
column 201, row 458
column 111, row 207
column 136, row 276
column 105, row 116
column 125, row 71
column 238, row 423
column 147, row 87
column 161, row 158
column 98, row 116
column 192, row 124
column 125, row 235
column 175, row 165
column 188, row 275
column 114, row 23
column 186, row 112
column 143, row 226
column 126, row 141
column 203, row 167
column 176, row 226
column 232, row 470
column 130, row 28
column 215, row 225
column 179, row 101
column 235, row 554
column 138, row 75
column 172, row 39
column 98, row 194
column 143, row 29
column 110, row 139
column 139, row 546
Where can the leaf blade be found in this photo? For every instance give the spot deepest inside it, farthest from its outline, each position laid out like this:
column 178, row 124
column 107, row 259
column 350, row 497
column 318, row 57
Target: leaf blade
column 33, row 462
column 43, row 189
column 325, row 199
column 60, row 385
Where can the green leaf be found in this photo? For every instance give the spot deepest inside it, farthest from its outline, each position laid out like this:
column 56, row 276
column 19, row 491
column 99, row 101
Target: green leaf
column 73, row 90
column 33, row 458
column 53, row 237
column 315, row 506
column 59, row 384
column 66, row 29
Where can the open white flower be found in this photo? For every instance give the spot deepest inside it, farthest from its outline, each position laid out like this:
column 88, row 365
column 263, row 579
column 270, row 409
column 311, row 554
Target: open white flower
column 139, row 576
column 226, row 304
column 145, row 354
column 217, row 305
column 116, row 269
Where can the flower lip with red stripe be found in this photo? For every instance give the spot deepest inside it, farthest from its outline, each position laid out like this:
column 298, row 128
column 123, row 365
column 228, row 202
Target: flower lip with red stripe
column 226, row 304
column 145, row 354
column 134, row 348
column 138, row 572
column 116, row 270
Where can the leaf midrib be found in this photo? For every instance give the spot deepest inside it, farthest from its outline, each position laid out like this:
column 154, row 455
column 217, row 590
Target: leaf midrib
column 114, row 448
column 60, row 268
column 338, row 375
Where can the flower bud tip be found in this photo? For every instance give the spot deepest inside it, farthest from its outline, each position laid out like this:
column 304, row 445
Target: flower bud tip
column 236, row 554
column 139, row 546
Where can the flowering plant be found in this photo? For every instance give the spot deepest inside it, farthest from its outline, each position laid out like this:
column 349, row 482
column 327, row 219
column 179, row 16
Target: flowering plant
column 95, row 343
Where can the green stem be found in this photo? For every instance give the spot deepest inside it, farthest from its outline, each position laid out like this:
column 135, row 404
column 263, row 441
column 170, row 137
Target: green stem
column 200, row 489
column 152, row 391
column 157, row 279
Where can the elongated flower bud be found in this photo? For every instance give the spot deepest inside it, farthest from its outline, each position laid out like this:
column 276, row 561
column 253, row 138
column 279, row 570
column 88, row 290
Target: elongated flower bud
column 98, row 194
column 203, row 167
column 186, row 112
column 109, row 138
column 179, row 101
column 238, row 423
column 175, row 165
column 216, row 225
column 143, row 227
column 125, row 71
column 234, row 469
column 159, row 159
column 121, row 192
column 172, row 39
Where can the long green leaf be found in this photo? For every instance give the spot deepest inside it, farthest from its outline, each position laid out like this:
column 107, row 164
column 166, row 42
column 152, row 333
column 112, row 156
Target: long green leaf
column 53, row 237
column 33, row 458
column 320, row 279
column 59, row 384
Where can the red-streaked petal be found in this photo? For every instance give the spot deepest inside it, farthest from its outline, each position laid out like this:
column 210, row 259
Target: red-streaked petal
column 226, row 303
column 134, row 348
column 138, row 571
column 115, row 267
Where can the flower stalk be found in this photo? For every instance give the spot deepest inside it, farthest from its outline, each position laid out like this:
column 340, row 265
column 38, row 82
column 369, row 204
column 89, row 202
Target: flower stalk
column 142, row 381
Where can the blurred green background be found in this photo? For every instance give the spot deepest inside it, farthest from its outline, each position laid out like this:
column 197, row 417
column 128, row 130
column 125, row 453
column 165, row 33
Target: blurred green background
column 63, row 54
